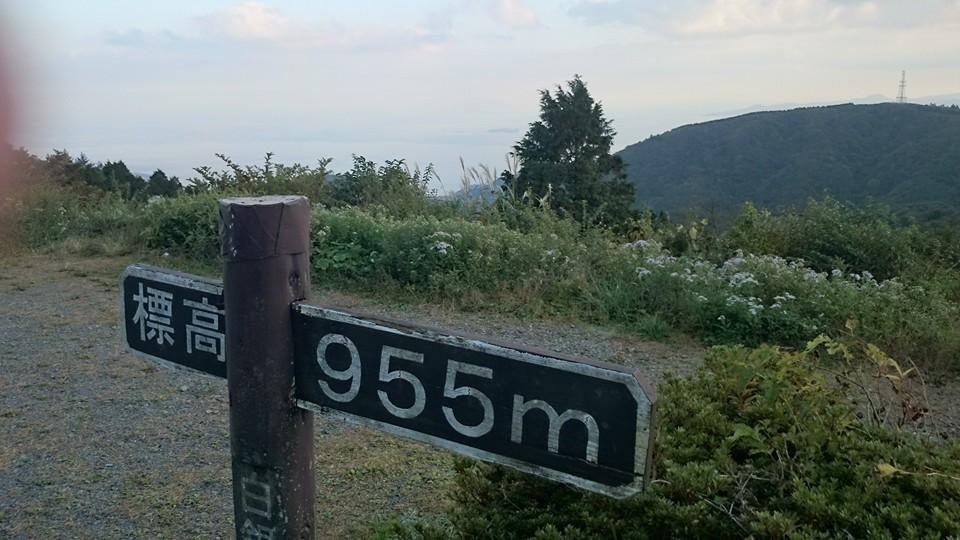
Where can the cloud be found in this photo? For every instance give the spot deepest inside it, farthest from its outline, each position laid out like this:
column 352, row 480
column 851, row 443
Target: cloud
column 252, row 20
column 731, row 17
column 130, row 38
column 651, row 14
column 257, row 22
column 607, row 12
column 718, row 18
column 512, row 13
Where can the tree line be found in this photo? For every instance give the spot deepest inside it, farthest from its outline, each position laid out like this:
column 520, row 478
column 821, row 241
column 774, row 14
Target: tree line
column 565, row 164
column 85, row 176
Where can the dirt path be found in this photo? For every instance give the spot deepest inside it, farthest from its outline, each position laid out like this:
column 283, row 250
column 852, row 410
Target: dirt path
column 97, row 444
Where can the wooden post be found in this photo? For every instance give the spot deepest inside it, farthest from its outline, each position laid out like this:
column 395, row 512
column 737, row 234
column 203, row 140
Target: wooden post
column 265, row 243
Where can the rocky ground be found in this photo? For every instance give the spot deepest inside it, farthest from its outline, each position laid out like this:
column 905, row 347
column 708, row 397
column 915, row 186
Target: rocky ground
column 95, row 443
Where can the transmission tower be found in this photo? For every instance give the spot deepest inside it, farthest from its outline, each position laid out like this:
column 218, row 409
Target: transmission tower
column 902, row 94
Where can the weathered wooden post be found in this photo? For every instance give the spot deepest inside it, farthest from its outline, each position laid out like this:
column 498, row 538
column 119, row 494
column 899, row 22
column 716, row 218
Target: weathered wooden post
column 266, row 249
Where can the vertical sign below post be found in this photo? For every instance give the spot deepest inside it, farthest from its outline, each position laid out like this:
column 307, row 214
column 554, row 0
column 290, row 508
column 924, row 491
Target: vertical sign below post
column 265, row 246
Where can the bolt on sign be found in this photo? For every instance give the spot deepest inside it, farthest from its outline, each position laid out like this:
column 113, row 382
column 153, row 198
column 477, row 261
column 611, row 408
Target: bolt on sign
column 583, row 423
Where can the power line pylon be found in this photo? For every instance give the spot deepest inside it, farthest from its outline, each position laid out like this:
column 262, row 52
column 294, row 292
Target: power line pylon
column 902, row 94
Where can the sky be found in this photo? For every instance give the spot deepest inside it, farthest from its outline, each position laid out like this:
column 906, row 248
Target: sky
column 169, row 84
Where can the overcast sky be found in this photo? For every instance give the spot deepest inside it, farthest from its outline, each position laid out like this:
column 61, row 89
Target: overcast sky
column 168, row 84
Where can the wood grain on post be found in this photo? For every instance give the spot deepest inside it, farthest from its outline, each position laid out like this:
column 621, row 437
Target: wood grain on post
column 265, row 244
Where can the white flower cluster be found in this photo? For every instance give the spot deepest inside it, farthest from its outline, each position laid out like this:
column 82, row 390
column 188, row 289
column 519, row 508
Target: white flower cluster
column 644, row 245
column 744, row 284
column 661, row 260
column 753, row 304
column 733, row 262
column 743, row 278
column 443, row 235
column 440, row 243
column 780, row 299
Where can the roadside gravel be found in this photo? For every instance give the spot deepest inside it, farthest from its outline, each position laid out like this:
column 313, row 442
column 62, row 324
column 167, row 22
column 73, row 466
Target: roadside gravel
column 95, row 443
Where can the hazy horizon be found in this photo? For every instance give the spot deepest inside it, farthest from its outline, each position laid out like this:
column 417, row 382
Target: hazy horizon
column 168, row 85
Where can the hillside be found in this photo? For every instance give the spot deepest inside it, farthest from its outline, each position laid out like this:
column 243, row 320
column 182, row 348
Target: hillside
column 903, row 155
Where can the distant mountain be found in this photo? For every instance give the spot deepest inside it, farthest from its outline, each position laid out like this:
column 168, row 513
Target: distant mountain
column 906, row 156
column 942, row 99
column 478, row 192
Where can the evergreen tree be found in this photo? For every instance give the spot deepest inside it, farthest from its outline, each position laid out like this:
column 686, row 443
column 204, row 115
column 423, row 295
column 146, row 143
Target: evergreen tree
column 77, row 173
column 160, row 185
column 120, row 179
column 565, row 157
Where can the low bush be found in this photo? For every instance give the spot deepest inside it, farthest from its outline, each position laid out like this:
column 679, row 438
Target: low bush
column 48, row 215
column 271, row 178
column 745, row 299
column 828, row 234
column 754, row 445
column 185, row 225
column 413, row 526
column 451, row 259
column 754, row 299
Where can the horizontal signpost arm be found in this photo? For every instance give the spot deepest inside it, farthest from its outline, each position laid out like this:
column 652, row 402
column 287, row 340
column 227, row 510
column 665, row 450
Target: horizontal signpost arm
column 173, row 320
column 562, row 418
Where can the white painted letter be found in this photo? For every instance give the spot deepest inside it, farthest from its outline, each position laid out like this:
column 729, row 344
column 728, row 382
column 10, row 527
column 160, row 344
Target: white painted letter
column 420, row 397
column 352, row 373
column 449, row 390
column 521, row 408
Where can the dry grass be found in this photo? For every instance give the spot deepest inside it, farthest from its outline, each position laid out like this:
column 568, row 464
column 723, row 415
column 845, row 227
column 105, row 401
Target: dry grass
column 97, row 444
column 363, row 476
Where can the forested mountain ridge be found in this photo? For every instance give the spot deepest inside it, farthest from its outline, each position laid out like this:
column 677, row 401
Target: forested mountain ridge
column 903, row 155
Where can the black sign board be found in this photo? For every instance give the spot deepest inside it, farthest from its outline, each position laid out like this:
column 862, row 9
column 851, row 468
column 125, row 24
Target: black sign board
column 582, row 423
column 173, row 319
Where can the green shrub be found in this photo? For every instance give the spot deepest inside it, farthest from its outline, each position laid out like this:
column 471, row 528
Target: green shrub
column 269, row 179
column 392, row 187
column 185, row 225
column 48, row 215
column 412, row 526
column 446, row 259
column 756, row 299
column 756, row 445
column 557, row 267
column 828, row 235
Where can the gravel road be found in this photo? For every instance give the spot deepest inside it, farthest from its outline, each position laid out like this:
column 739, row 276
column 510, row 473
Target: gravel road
column 98, row 444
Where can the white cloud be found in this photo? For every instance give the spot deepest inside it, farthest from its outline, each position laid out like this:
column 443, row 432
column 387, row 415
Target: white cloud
column 514, row 13
column 716, row 18
column 253, row 21
column 755, row 16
